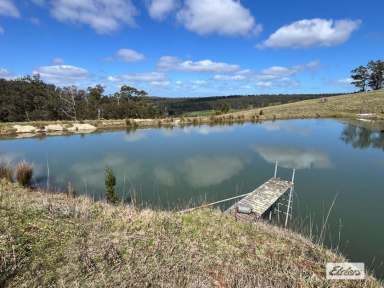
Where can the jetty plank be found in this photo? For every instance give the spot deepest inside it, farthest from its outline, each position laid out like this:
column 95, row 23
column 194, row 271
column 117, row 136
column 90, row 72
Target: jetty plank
column 261, row 199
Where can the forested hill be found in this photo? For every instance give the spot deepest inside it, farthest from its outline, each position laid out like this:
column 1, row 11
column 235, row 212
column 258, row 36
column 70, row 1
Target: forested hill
column 178, row 106
column 30, row 99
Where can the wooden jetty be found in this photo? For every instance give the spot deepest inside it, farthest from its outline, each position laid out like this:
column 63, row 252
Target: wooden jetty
column 264, row 199
column 261, row 201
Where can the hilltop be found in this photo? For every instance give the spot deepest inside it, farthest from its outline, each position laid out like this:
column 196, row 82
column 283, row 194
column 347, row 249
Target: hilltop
column 366, row 104
column 55, row 240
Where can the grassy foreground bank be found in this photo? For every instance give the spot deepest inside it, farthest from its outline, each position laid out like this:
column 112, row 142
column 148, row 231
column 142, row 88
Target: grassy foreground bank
column 360, row 105
column 54, row 240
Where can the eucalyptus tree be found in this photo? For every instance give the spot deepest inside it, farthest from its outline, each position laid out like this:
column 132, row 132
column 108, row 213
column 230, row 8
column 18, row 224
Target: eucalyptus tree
column 376, row 79
column 370, row 76
column 360, row 77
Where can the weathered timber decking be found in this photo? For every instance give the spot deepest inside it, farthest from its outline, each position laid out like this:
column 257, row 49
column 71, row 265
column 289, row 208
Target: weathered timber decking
column 261, row 199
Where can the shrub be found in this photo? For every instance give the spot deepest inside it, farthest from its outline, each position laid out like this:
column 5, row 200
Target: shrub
column 6, row 172
column 225, row 108
column 24, row 172
column 255, row 118
column 110, row 183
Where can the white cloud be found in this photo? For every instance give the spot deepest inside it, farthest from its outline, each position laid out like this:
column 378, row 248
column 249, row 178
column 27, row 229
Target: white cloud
column 104, row 16
column 345, row 81
column 274, row 76
column 282, row 73
column 223, row 17
column 199, row 82
column 313, row 65
column 7, row 8
column 244, row 74
column 114, row 78
column 61, row 73
column 164, row 83
column 129, row 55
column 264, row 84
column 284, row 82
column 265, row 76
column 229, row 77
column 153, row 78
column 276, row 72
column 159, row 9
column 145, row 77
column 174, row 63
column 5, row 74
column 311, row 32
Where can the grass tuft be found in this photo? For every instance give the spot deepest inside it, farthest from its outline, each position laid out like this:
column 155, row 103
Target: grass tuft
column 6, row 172
column 24, row 173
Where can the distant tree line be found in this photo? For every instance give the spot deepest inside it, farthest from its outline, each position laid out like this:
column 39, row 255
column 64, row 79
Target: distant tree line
column 370, row 76
column 31, row 99
column 179, row 106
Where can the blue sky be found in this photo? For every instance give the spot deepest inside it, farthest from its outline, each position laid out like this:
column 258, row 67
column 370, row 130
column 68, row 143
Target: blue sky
column 192, row 47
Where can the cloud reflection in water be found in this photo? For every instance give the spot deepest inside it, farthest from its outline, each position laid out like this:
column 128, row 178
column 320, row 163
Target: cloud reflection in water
column 93, row 172
column 294, row 157
column 207, row 171
column 164, row 176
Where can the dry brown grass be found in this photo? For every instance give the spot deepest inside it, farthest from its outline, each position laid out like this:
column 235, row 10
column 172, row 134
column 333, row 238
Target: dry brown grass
column 343, row 106
column 6, row 172
column 24, row 172
column 54, row 240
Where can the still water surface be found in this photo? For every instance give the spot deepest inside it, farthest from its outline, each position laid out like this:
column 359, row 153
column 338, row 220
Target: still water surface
column 172, row 168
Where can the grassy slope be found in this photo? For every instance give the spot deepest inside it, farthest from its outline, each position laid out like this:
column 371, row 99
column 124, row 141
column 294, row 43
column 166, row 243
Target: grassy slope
column 49, row 239
column 336, row 106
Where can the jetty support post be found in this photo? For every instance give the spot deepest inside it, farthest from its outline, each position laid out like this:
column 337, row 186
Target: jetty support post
column 275, row 174
column 270, row 214
column 290, row 198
